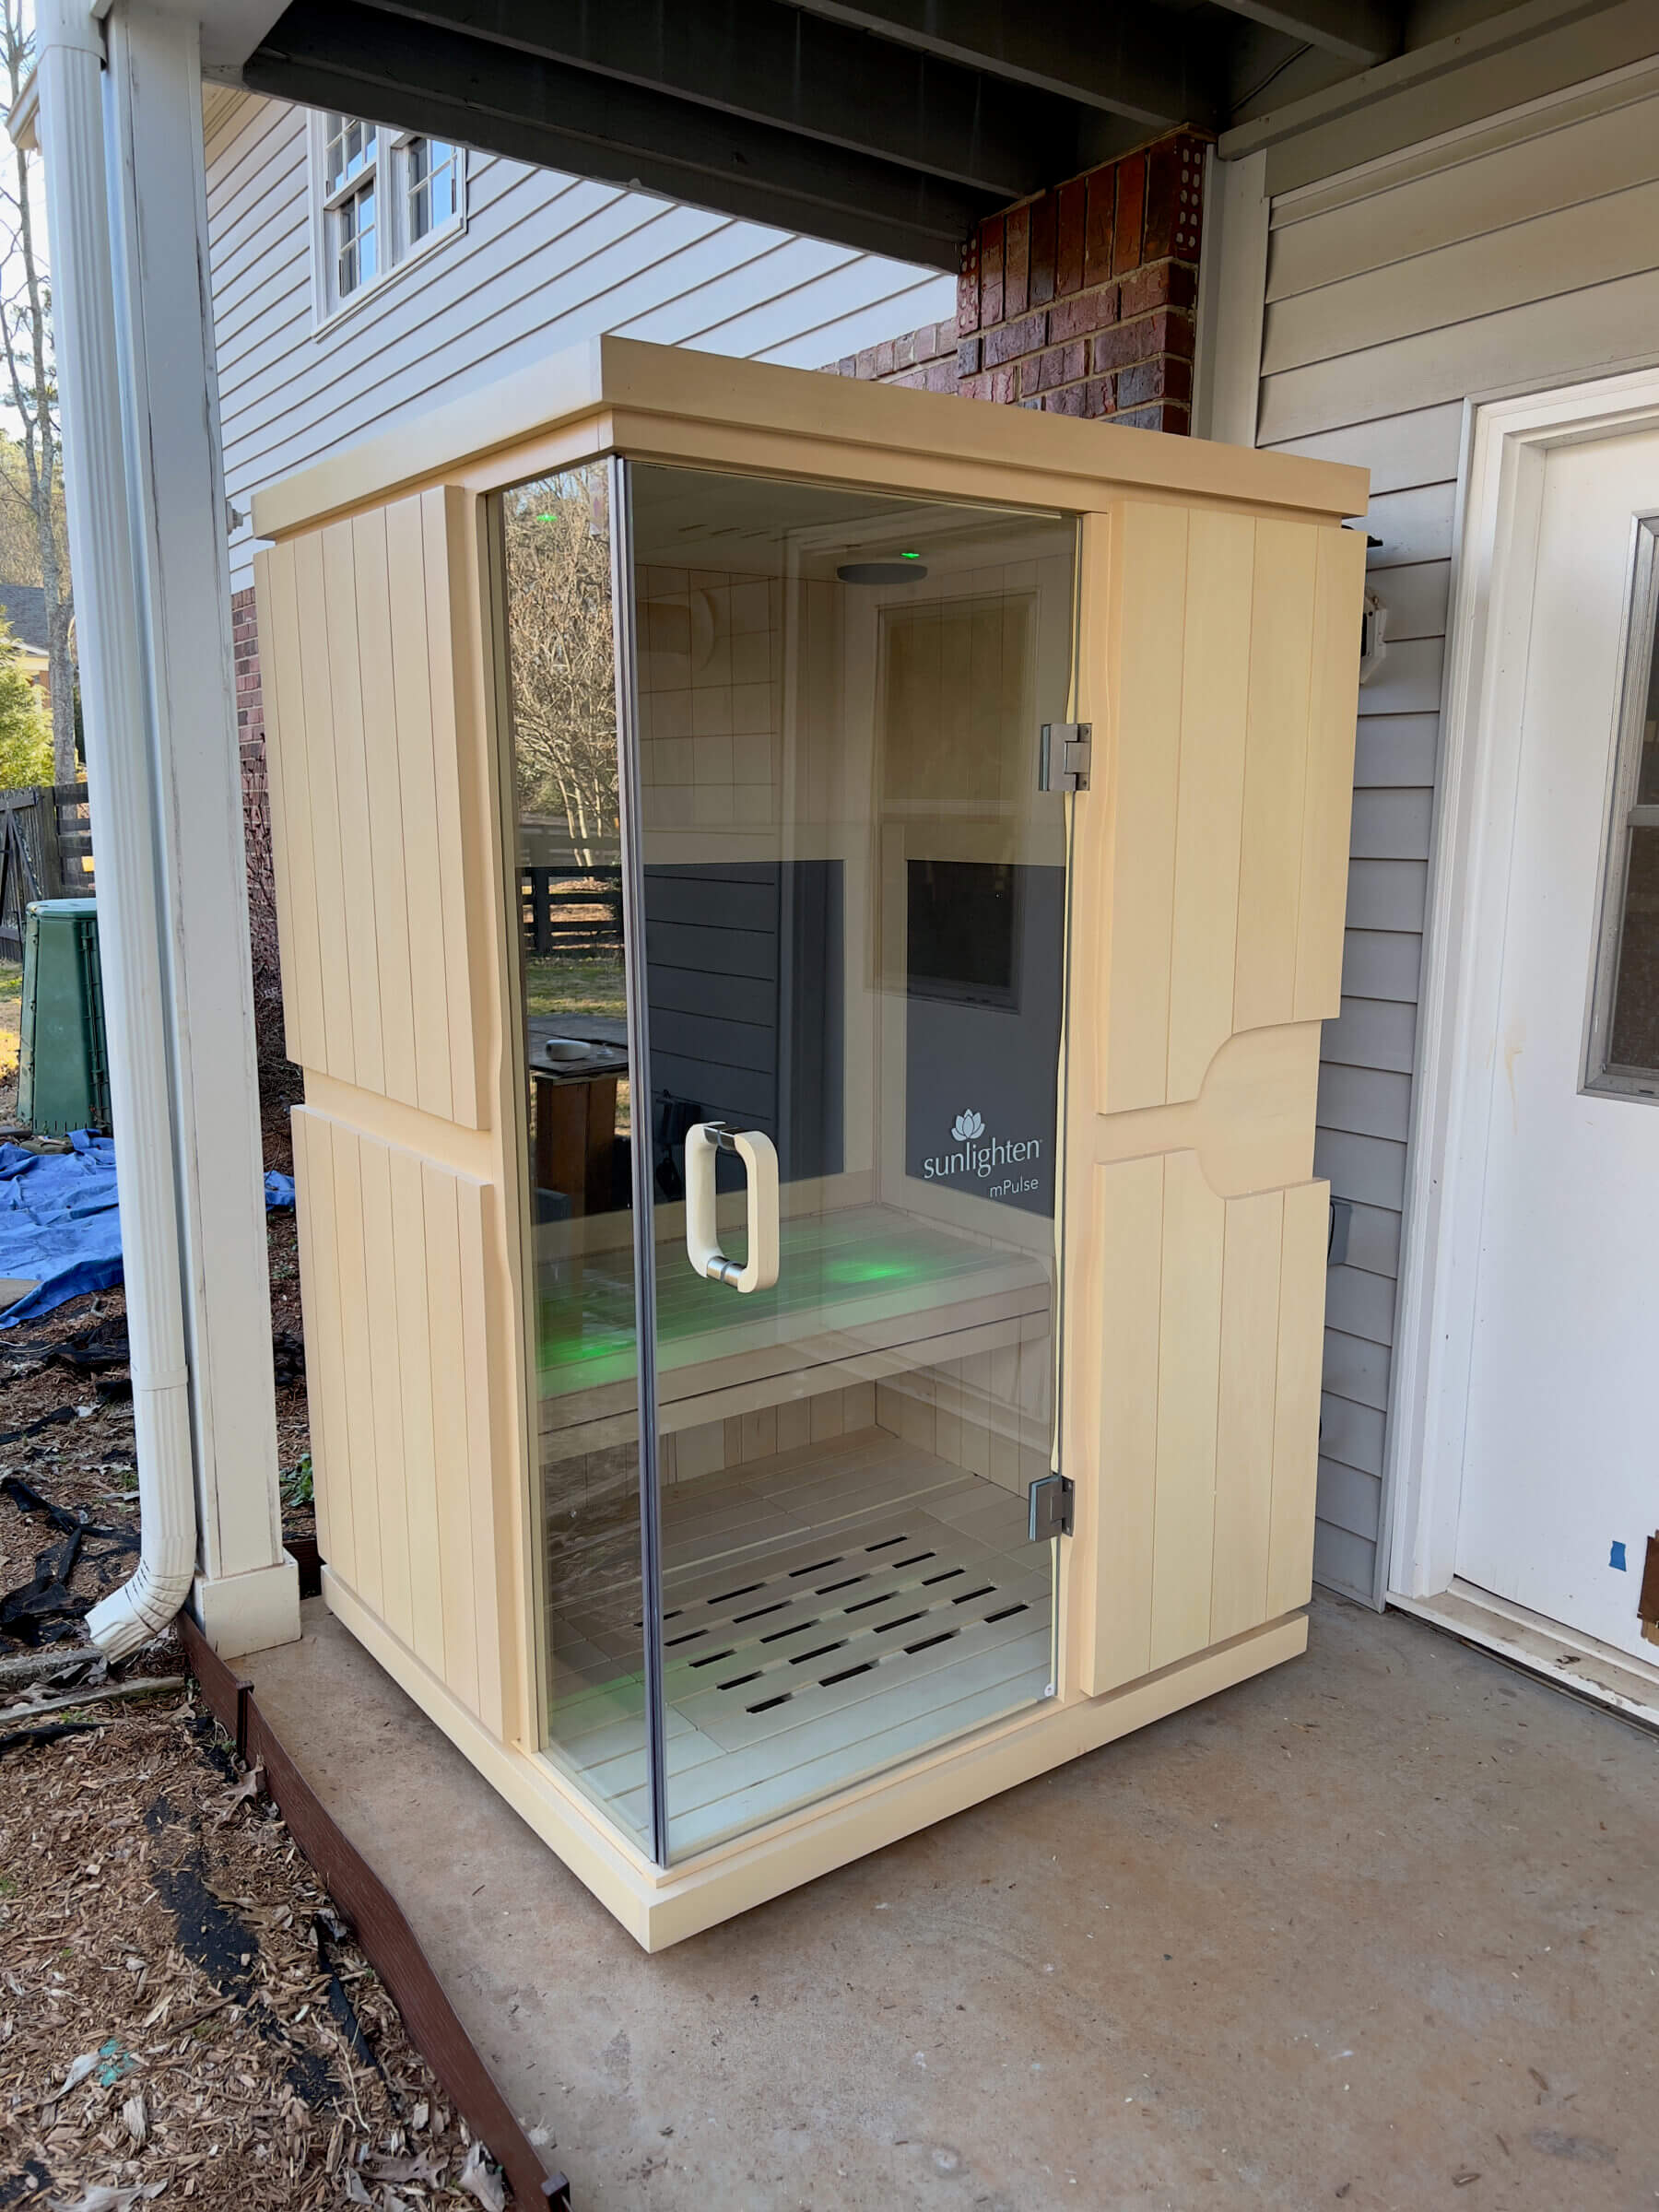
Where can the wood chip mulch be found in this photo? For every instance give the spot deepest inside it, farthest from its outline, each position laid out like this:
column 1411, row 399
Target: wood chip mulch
column 181, row 2016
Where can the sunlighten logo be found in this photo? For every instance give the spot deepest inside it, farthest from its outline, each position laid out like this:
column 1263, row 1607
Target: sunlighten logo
column 982, row 1160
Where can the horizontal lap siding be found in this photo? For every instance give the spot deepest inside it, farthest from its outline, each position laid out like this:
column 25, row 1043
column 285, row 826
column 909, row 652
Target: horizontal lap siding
column 546, row 260
column 1389, row 304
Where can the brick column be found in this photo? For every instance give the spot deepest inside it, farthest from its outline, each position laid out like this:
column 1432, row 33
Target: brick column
column 1080, row 300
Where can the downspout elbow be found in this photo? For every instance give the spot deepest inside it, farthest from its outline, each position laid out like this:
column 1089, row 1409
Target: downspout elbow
column 145, row 1604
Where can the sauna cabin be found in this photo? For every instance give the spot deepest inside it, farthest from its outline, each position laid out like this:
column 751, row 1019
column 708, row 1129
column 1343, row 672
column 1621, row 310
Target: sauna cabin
column 807, row 910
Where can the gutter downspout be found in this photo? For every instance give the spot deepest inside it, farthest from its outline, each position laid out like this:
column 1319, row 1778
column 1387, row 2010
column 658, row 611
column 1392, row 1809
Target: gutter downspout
column 122, row 788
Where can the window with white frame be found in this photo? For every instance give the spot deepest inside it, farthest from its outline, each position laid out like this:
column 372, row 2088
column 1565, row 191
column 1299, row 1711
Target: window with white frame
column 384, row 196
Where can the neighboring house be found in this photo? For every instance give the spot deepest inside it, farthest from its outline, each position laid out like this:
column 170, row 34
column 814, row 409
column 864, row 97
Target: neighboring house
column 24, row 608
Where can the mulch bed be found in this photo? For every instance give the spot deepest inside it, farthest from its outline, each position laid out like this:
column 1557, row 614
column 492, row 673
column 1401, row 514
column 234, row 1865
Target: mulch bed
column 181, row 2015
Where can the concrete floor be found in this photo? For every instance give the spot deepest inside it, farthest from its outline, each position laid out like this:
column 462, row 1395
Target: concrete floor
column 1381, row 1928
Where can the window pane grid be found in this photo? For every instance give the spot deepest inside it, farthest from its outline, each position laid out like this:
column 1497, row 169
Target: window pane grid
column 431, row 186
column 350, row 148
column 355, row 260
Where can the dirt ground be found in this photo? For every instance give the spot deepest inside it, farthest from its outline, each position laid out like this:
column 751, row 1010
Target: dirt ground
column 180, row 2015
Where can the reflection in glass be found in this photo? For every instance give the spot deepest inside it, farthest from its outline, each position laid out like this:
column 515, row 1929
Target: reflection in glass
column 561, row 670
column 854, row 901
column 1633, row 1043
column 849, row 951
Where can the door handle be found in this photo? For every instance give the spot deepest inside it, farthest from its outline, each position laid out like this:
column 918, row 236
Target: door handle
column 759, row 1158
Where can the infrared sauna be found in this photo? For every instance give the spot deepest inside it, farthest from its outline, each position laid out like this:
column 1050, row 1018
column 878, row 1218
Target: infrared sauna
column 807, row 910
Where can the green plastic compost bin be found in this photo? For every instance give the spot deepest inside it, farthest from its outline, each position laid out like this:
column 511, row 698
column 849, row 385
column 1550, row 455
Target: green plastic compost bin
column 63, row 1068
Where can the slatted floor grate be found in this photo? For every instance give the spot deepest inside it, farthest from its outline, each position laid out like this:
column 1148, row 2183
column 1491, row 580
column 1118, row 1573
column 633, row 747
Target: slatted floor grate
column 823, row 1619
column 886, row 1571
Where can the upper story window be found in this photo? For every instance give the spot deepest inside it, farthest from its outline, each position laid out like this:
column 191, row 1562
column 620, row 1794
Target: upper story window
column 382, row 197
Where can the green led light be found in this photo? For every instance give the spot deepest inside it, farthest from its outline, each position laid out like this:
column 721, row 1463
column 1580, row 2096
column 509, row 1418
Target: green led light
column 910, row 555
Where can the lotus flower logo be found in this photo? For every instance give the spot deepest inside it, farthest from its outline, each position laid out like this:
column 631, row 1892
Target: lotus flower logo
column 966, row 1125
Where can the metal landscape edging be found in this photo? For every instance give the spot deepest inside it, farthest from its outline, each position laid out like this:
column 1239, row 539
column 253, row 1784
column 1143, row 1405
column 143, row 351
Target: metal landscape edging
column 384, row 1935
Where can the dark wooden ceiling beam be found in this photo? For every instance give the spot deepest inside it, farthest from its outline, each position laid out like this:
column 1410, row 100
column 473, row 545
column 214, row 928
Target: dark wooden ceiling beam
column 1362, row 31
column 341, row 55
column 1156, row 66
column 772, row 63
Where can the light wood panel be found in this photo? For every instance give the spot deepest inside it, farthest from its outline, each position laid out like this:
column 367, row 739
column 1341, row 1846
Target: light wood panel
column 1189, row 1375
column 1275, row 768
column 1219, row 600
column 1115, row 1458
column 1245, row 1433
column 402, row 1397
column 1131, row 1034
column 385, row 941
column 1209, row 884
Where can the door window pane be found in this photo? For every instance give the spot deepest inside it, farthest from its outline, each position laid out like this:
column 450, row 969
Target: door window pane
column 1623, row 1052
column 1636, row 993
column 567, row 910
column 855, row 900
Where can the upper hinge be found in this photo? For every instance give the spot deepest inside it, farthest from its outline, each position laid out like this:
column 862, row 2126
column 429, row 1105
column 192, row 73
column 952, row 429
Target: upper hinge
column 1064, row 756
column 1050, row 1502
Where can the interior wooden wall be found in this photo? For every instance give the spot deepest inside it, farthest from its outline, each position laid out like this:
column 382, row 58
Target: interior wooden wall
column 1208, row 885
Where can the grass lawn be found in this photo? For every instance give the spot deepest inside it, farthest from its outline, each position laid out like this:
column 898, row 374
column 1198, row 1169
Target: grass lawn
column 567, row 986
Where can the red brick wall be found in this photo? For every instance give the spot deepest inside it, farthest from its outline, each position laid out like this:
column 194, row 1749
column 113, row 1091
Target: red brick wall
column 1080, row 301
column 927, row 358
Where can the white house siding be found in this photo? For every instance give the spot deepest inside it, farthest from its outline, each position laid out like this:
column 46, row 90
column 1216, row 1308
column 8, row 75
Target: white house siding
column 1519, row 256
column 546, row 261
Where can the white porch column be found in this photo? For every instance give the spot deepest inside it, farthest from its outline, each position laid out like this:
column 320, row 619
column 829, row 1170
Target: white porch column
column 147, row 515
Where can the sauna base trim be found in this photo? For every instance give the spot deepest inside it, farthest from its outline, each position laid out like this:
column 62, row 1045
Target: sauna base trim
column 661, row 1908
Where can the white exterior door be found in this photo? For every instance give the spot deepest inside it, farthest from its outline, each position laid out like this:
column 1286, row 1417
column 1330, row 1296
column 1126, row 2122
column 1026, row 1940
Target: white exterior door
column 1560, row 1472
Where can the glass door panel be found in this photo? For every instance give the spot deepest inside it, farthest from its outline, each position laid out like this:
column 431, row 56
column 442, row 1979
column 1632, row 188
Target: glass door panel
column 557, row 589
column 853, row 898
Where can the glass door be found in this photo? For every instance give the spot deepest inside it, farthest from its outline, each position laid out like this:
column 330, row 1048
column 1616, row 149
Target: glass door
column 851, row 912
column 793, row 957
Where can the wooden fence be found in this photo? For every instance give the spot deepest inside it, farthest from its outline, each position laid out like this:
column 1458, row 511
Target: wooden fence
column 574, row 913
column 45, row 852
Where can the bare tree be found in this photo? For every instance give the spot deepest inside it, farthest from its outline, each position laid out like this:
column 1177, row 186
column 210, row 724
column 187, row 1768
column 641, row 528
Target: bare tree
column 26, row 340
column 558, row 622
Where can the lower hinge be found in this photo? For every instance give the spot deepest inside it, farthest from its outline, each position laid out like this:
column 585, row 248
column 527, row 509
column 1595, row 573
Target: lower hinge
column 1051, row 1508
column 1064, row 756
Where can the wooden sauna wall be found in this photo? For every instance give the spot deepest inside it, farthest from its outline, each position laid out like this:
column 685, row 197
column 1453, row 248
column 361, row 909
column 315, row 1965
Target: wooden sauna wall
column 1220, row 666
column 384, row 895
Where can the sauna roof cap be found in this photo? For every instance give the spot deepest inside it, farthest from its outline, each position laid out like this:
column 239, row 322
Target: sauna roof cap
column 627, row 396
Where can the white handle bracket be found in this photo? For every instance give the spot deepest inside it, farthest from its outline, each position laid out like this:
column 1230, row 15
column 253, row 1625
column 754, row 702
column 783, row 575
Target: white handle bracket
column 759, row 1158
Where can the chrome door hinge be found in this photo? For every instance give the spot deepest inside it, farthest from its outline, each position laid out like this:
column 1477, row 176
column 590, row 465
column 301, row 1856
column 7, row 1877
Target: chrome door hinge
column 1064, row 756
column 1051, row 1508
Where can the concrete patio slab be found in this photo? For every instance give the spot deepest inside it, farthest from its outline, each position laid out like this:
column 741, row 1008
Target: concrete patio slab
column 1380, row 1929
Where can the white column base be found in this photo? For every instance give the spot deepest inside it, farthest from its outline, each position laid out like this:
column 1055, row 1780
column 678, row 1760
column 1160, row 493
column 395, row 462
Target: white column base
column 239, row 1613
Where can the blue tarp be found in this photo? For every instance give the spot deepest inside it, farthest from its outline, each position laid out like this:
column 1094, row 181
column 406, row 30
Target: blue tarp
column 59, row 1226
